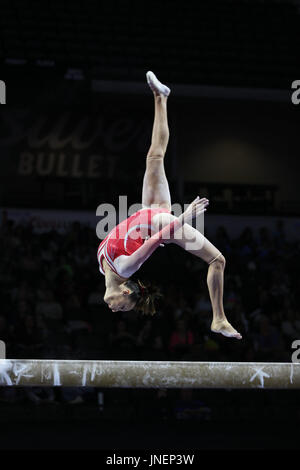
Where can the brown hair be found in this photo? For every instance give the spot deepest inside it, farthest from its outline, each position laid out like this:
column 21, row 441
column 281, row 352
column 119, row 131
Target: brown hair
column 144, row 295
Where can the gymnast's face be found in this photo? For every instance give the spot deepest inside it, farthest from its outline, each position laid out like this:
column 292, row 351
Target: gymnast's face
column 118, row 300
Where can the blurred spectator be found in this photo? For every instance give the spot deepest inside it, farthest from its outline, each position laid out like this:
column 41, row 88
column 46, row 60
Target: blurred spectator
column 49, row 309
column 181, row 338
column 146, row 335
column 202, row 303
column 28, row 337
column 268, row 340
column 122, row 340
column 5, row 333
column 289, row 326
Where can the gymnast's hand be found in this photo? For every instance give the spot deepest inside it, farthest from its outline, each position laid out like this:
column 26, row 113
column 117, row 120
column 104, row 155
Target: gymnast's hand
column 197, row 207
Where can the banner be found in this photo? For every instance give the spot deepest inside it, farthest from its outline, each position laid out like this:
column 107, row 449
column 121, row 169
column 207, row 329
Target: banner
column 71, row 144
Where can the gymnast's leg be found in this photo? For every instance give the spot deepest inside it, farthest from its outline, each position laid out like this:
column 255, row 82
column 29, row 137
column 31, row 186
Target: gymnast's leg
column 195, row 243
column 156, row 191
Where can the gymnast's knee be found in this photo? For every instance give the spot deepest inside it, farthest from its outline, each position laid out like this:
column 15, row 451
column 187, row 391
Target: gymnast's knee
column 219, row 262
column 156, row 153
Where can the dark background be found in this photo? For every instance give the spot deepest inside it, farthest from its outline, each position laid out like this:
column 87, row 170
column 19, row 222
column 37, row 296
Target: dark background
column 74, row 134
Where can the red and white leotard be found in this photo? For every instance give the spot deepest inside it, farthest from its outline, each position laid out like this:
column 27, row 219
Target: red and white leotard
column 126, row 237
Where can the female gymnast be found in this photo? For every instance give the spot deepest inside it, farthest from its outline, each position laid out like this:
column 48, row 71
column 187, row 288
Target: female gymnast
column 131, row 242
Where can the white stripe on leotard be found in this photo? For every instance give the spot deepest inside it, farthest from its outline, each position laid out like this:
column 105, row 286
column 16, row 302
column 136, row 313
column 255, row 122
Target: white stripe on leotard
column 133, row 228
column 103, row 251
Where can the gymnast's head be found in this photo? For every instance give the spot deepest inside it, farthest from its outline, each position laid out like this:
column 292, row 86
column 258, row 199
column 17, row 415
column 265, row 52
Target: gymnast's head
column 133, row 295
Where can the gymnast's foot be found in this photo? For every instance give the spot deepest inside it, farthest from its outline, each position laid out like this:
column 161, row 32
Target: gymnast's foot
column 224, row 327
column 156, row 86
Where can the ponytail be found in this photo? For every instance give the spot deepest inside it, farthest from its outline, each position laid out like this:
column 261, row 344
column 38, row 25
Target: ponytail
column 145, row 296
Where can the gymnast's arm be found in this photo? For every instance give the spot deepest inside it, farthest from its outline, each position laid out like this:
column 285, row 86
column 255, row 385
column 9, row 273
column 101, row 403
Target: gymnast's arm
column 128, row 265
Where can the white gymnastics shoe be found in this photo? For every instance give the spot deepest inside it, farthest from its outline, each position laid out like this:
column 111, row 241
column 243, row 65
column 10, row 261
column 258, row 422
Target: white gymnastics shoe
column 156, row 86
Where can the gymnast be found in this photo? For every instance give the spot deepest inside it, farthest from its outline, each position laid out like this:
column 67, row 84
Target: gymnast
column 132, row 242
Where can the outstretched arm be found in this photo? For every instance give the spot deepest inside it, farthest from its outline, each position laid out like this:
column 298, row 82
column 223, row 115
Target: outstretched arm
column 128, row 265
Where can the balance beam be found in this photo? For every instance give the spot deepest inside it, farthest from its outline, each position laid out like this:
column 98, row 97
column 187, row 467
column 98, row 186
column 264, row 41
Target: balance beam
column 148, row 374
